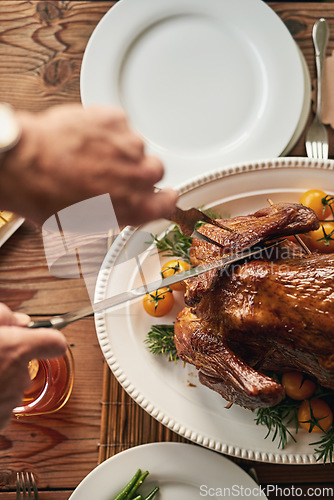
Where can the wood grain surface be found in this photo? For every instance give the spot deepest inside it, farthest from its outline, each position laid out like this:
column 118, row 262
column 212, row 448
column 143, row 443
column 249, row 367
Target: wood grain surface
column 42, row 43
column 41, row 48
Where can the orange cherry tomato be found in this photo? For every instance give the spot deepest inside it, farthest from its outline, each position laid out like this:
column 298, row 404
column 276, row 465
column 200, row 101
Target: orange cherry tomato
column 313, row 199
column 322, row 239
column 297, row 386
column 173, row 267
column 315, row 415
column 159, row 303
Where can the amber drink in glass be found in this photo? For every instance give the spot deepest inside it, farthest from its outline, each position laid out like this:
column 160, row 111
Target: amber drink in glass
column 51, row 386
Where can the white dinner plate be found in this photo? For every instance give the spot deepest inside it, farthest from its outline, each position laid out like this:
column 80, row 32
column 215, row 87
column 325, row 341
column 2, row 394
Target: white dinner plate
column 171, row 392
column 305, row 109
column 182, row 471
column 205, row 83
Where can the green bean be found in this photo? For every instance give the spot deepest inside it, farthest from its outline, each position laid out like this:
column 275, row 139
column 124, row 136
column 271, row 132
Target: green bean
column 122, row 495
column 138, row 497
column 152, row 494
column 136, row 485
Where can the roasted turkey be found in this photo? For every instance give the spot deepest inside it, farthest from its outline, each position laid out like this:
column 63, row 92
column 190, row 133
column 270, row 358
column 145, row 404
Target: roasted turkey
column 274, row 313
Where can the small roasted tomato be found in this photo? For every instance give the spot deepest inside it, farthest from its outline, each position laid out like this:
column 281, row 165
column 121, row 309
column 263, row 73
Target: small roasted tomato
column 315, row 415
column 297, row 386
column 159, row 303
column 173, row 267
column 322, row 239
column 319, row 201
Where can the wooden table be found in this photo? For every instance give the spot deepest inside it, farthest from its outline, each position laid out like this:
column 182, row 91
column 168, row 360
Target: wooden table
column 41, row 48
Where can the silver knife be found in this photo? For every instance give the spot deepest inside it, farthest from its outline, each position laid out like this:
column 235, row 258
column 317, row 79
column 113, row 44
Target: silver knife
column 63, row 320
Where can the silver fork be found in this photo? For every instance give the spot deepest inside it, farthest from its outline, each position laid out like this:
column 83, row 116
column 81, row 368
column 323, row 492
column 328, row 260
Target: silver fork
column 316, row 136
column 187, row 220
column 26, row 486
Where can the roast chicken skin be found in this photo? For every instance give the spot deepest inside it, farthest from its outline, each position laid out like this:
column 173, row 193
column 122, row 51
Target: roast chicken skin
column 274, row 313
column 219, row 367
column 268, row 223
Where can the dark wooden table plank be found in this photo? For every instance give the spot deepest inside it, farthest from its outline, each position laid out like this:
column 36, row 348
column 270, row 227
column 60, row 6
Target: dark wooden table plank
column 25, row 281
column 41, row 48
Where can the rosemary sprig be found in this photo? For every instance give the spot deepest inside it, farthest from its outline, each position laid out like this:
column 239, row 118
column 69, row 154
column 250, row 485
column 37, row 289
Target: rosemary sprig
column 160, row 340
column 325, row 448
column 277, row 418
column 174, row 243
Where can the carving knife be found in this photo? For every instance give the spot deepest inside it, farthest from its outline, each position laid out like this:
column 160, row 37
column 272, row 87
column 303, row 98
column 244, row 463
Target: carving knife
column 63, row 320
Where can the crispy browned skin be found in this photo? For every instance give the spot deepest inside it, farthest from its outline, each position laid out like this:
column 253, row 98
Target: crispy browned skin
column 219, row 368
column 275, row 313
column 273, row 222
column 287, row 305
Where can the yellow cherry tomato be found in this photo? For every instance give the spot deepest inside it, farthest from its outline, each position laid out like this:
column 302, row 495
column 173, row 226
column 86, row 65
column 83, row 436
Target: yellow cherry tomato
column 297, row 386
column 159, row 303
column 322, row 239
column 313, row 199
column 173, row 267
column 315, row 415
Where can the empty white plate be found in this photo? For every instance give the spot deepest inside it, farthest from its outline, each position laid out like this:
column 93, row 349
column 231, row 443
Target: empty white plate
column 206, row 84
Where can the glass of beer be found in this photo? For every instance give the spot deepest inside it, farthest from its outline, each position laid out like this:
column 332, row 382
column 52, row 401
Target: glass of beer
column 51, row 386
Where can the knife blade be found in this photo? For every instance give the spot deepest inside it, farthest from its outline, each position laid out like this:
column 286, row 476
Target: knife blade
column 63, row 320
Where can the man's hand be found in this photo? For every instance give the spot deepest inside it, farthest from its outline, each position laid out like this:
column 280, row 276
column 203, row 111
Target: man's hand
column 68, row 154
column 18, row 345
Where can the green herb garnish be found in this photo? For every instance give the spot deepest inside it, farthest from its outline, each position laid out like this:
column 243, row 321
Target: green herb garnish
column 277, row 418
column 174, row 243
column 160, row 340
column 325, row 448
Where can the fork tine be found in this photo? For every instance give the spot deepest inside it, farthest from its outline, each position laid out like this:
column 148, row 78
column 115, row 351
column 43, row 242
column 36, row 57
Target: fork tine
column 187, row 219
column 325, row 151
column 18, row 486
column 317, row 150
column 34, row 487
column 26, row 484
column 309, row 150
column 320, row 150
column 214, row 222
